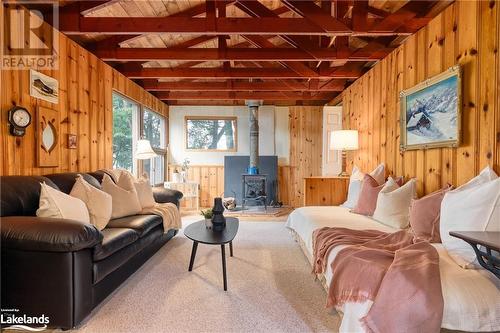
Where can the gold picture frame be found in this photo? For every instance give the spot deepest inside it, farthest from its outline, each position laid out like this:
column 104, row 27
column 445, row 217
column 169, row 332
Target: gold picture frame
column 427, row 119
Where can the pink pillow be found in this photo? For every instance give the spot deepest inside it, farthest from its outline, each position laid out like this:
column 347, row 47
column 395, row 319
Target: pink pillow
column 424, row 216
column 368, row 196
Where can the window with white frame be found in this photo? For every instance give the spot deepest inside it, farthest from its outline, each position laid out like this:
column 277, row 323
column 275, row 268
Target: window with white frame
column 155, row 130
column 125, row 132
column 131, row 121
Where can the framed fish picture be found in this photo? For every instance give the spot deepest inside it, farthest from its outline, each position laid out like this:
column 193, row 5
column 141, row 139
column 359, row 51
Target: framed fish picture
column 44, row 87
column 431, row 112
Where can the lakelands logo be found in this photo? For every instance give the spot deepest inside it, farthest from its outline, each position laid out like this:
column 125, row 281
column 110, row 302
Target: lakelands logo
column 10, row 320
column 29, row 39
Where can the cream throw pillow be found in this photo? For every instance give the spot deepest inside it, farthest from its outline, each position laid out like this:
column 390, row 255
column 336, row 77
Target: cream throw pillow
column 393, row 203
column 99, row 203
column 56, row 204
column 474, row 206
column 144, row 192
column 124, row 196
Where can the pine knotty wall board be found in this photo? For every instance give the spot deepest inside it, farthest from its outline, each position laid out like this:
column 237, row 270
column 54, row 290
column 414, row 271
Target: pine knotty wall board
column 85, row 108
column 466, row 33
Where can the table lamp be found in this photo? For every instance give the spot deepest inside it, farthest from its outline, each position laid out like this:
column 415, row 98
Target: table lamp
column 144, row 151
column 344, row 140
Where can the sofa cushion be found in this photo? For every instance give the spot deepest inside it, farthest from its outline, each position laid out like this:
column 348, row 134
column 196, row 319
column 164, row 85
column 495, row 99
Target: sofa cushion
column 114, row 239
column 103, row 268
column 142, row 224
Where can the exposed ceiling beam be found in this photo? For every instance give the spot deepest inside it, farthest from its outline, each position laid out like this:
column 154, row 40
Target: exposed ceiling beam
column 316, row 15
column 118, row 39
column 232, row 85
column 223, row 26
column 229, row 54
column 222, row 102
column 238, row 73
column 236, row 95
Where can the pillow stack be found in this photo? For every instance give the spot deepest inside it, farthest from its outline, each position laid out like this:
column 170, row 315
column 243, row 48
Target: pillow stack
column 474, row 206
column 88, row 204
column 355, row 181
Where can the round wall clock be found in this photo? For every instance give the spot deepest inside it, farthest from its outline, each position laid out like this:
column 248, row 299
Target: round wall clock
column 19, row 120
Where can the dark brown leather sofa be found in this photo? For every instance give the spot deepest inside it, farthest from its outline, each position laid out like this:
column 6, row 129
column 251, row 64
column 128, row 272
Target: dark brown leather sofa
column 62, row 268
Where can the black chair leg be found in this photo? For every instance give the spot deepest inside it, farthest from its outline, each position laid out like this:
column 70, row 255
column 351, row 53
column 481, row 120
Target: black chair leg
column 231, row 249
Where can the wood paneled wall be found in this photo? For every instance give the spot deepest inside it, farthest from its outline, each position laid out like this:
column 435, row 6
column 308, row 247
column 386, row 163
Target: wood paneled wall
column 306, row 150
column 306, row 141
column 85, row 108
column 467, row 33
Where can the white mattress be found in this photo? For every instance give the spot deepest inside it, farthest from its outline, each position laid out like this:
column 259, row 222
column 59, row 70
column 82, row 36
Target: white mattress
column 471, row 297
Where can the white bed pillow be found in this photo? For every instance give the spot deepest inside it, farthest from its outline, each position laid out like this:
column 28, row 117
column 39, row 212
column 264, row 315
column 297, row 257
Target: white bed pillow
column 144, row 192
column 393, row 203
column 474, row 206
column 56, row 204
column 99, row 203
column 355, row 183
column 123, row 194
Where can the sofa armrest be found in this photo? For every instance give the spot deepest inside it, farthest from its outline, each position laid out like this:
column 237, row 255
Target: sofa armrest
column 32, row 233
column 163, row 195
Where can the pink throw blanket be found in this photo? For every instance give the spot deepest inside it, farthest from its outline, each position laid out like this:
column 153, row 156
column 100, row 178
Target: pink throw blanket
column 400, row 277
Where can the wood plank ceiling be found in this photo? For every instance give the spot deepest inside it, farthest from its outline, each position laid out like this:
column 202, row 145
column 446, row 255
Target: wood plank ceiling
column 287, row 52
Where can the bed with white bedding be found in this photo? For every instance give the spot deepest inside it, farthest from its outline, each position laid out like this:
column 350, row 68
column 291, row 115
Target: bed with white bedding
column 471, row 297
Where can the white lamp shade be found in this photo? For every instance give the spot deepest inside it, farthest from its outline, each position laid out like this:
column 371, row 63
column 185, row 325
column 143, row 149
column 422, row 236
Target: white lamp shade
column 144, row 150
column 344, row 140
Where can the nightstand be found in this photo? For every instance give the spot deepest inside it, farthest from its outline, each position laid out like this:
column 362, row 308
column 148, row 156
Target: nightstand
column 325, row 191
column 190, row 191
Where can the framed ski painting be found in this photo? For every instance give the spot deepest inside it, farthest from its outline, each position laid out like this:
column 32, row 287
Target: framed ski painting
column 431, row 112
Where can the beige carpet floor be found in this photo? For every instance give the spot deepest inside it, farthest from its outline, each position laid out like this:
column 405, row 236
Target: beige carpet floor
column 270, row 289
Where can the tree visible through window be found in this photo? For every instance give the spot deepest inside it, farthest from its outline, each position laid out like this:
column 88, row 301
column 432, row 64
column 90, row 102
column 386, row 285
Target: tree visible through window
column 125, row 132
column 154, row 128
column 211, row 133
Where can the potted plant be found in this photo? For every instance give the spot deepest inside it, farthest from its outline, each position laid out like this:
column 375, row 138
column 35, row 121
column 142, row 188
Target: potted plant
column 208, row 214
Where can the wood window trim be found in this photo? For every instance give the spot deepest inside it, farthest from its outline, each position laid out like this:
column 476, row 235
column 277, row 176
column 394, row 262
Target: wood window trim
column 232, row 118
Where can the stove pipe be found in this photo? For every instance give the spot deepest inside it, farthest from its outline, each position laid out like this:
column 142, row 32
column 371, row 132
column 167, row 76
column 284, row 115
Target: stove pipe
column 253, row 108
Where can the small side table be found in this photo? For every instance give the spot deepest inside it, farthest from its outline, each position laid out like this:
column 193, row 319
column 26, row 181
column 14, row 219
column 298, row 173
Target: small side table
column 199, row 233
column 490, row 240
column 190, row 191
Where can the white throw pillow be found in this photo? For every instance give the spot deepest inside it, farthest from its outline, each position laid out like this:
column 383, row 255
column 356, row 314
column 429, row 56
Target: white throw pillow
column 144, row 192
column 393, row 203
column 474, row 206
column 56, row 204
column 355, row 183
column 123, row 194
column 99, row 203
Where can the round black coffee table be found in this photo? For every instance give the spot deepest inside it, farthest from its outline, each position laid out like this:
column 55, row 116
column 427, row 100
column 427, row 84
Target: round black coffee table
column 199, row 233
